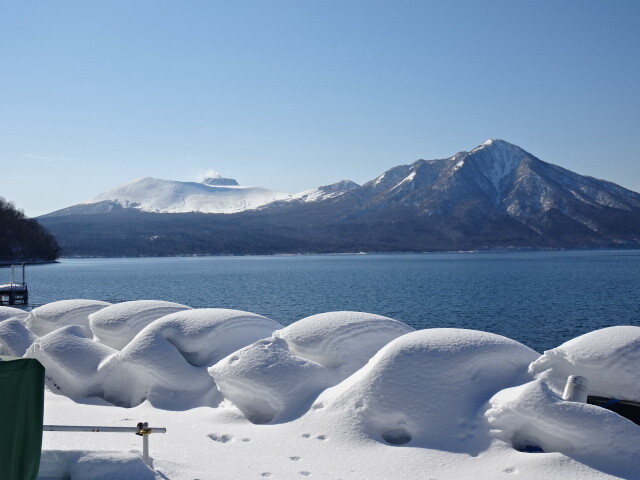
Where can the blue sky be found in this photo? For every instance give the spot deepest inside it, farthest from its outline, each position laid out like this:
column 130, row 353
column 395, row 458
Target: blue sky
column 294, row 94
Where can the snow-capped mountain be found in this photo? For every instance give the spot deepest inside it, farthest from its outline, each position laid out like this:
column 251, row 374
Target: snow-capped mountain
column 498, row 179
column 325, row 192
column 495, row 196
column 212, row 195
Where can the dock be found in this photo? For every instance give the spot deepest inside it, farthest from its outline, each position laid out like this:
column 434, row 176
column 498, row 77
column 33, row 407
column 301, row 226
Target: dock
column 14, row 292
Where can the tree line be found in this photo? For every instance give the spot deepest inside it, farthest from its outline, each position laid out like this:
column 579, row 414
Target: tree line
column 23, row 239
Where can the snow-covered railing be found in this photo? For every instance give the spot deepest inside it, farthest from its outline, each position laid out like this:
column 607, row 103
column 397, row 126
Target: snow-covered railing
column 141, row 429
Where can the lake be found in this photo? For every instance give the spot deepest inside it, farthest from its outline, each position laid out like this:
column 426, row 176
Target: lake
column 541, row 299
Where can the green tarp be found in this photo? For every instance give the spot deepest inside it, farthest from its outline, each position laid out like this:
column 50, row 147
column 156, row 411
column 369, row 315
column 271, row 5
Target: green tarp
column 21, row 413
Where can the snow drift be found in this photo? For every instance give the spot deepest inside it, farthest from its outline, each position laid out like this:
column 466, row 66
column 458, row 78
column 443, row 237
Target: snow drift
column 7, row 313
column 276, row 379
column 534, row 417
column 166, row 363
column 609, row 358
column 427, row 388
column 15, row 338
column 116, row 325
column 55, row 315
column 376, row 397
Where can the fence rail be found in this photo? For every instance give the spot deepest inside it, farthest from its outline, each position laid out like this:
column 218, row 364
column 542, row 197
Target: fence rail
column 142, row 429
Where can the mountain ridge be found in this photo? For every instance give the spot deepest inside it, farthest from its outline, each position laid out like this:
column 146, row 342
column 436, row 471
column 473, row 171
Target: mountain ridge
column 496, row 195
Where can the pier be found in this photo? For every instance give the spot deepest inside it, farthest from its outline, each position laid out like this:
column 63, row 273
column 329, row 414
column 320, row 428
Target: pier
column 14, row 292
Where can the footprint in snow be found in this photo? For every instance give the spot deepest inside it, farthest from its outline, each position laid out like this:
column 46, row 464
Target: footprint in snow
column 220, row 437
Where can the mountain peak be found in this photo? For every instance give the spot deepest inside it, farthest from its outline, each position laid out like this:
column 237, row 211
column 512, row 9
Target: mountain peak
column 213, row 179
column 497, row 159
column 497, row 143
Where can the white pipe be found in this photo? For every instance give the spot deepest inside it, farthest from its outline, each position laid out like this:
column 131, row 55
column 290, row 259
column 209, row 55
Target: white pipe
column 72, row 428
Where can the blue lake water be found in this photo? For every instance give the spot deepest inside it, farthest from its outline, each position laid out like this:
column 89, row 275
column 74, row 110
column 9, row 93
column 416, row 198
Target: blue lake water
column 541, row 299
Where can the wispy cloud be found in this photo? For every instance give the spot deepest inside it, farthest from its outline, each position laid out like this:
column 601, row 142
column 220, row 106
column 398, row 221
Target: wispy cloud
column 208, row 174
column 48, row 158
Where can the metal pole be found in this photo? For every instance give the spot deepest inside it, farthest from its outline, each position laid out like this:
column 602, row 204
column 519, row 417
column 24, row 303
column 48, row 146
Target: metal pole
column 71, row 428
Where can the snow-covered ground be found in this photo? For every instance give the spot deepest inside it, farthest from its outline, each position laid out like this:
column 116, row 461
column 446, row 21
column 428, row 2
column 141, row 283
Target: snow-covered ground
column 339, row 395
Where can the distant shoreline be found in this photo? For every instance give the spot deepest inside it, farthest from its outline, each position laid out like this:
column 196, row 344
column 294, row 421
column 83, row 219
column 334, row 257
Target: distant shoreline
column 5, row 264
column 309, row 254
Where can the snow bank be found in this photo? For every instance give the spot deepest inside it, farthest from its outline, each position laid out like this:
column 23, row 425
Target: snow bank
column 341, row 339
column 71, row 361
column 277, row 379
column 115, row 326
column 265, row 379
column 15, row 338
column 7, row 313
column 202, row 337
column 608, row 358
column 50, row 317
column 427, row 388
column 533, row 416
column 343, row 393
column 166, row 363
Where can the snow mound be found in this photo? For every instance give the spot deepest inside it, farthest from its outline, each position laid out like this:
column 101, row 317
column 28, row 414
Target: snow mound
column 7, row 313
column 608, row 358
column 115, row 326
column 277, row 379
column 532, row 416
column 71, row 361
column 202, row 337
column 15, row 338
column 265, row 379
column 166, row 363
column 341, row 339
column 463, row 401
column 427, row 388
column 50, row 317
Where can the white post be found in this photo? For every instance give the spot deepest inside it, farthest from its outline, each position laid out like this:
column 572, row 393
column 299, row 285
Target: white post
column 145, row 450
column 576, row 389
